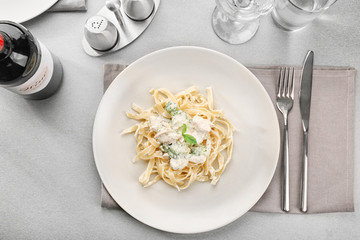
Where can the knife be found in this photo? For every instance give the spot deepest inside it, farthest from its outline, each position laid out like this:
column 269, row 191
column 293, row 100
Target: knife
column 305, row 102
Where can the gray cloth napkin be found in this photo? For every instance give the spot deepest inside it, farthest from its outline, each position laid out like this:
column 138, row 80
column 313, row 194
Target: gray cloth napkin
column 331, row 141
column 68, row 5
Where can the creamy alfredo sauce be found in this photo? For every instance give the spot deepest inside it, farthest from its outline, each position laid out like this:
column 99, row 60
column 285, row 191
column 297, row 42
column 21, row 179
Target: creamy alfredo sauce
column 182, row 137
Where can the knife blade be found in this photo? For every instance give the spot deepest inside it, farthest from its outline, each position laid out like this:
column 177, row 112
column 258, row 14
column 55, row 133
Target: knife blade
column 305, row 103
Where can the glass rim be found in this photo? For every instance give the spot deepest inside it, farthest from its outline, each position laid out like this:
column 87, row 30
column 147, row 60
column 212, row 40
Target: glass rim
column 315, row 11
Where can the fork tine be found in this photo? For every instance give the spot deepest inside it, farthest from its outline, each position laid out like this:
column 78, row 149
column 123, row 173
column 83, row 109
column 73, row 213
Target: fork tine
column 285, row 82
column 287, row 79
column 292, row 83
column 279, row 82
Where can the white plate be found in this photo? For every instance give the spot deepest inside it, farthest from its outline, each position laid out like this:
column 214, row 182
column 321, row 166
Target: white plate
column 202, row 207
column 23, row 10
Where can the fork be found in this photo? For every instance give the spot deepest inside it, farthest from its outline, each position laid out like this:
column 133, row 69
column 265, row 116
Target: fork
column 284, row 102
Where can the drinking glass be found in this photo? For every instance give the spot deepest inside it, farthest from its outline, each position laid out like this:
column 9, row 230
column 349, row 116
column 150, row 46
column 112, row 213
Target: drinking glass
column 236, row 21
column 295, row 14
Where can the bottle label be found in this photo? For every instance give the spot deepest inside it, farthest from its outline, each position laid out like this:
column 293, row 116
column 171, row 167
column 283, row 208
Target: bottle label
column 42, row 76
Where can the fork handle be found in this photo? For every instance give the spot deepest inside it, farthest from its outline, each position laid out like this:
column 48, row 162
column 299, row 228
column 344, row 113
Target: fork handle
column 304, row 176
column 285, row 180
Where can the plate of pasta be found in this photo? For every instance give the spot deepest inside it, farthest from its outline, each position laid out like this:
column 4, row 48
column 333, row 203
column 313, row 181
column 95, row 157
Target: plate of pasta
column 186, row 139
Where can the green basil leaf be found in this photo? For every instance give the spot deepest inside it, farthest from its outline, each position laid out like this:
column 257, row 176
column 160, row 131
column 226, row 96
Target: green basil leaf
column 189, row 139
column 183, row 128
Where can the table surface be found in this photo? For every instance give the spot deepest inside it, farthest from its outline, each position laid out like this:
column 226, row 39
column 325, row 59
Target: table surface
column 49, row 185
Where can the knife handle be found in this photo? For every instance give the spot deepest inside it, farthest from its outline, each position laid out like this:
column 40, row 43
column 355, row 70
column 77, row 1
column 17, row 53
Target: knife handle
column 304, row 175
column 286, row 185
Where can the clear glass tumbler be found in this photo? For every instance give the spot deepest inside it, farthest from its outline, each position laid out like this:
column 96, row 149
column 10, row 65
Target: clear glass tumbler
column 295, row 14
column 236, row 21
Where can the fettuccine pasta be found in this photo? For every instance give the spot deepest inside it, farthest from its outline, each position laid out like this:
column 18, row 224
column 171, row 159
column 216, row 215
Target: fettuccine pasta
column 182, row 138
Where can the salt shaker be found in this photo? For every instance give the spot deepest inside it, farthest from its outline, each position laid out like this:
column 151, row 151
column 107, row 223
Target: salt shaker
column 101, row 34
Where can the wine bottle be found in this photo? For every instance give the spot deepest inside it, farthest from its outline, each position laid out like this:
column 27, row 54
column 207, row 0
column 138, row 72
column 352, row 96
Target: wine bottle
column 27, row 67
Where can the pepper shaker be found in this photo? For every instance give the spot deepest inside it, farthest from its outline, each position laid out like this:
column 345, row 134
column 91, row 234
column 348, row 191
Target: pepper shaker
column 139, row 10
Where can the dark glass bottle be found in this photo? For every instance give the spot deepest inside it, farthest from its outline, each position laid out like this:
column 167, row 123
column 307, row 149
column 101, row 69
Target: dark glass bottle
column 26, row 65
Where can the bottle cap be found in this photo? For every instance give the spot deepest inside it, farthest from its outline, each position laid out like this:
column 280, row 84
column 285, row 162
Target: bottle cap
column 5, row 45
column 1, row 42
